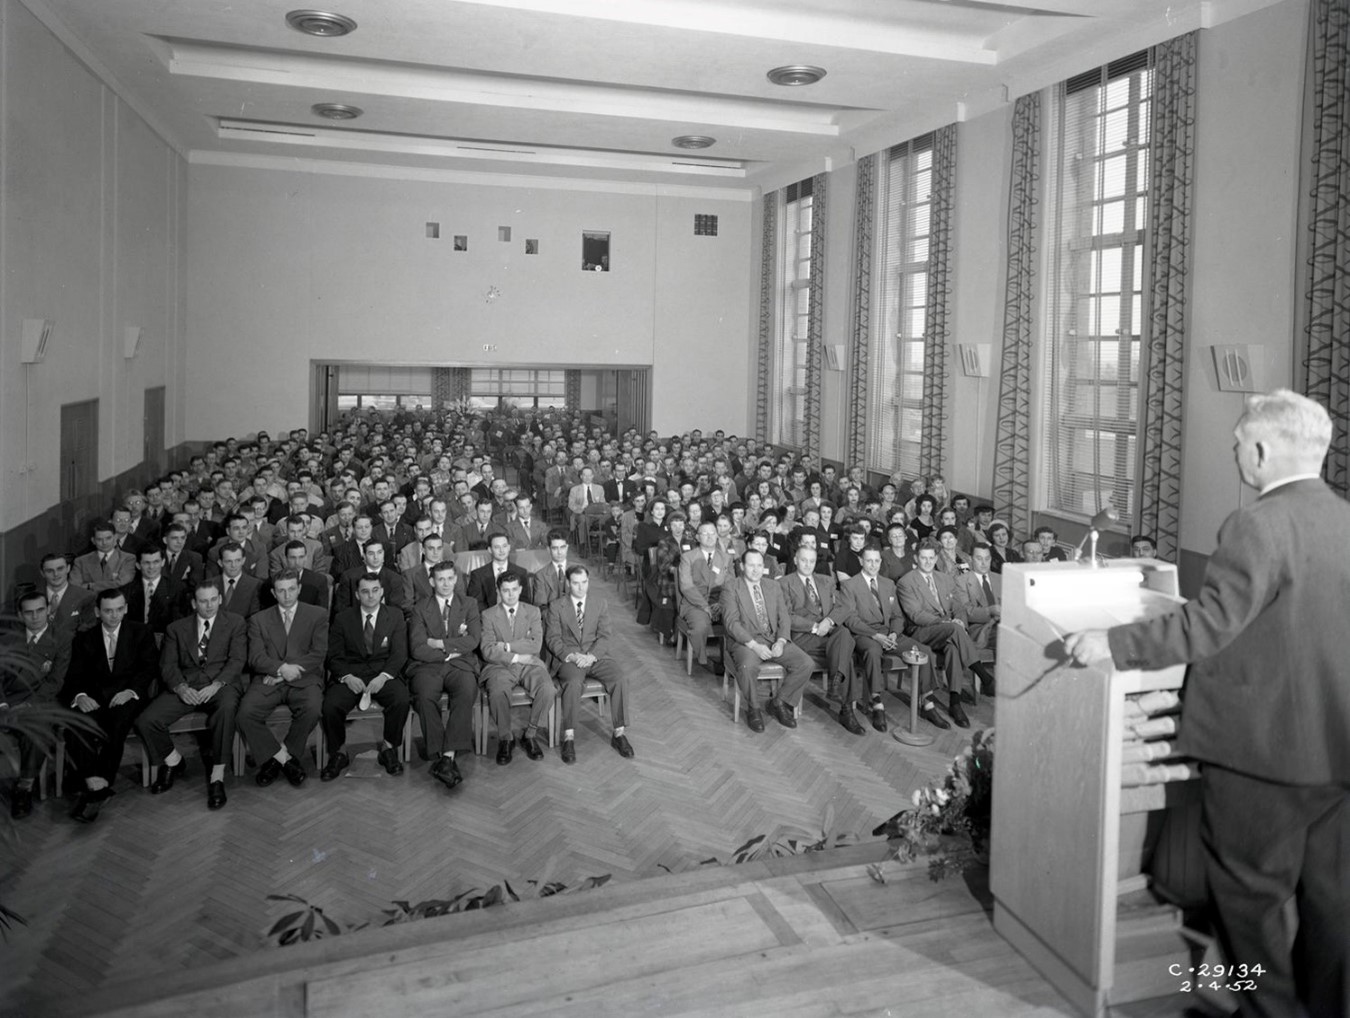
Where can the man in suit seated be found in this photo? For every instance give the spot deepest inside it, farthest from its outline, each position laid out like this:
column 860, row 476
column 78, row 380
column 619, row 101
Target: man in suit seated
column 1143, row 546
column 33, row 674
column 444, row 636
column 939, row 620
column 759, row 628
column 241, row 593
column 107, row 567
column 525, row 529
column 577, row 632
column 352, row 554
column 475, row 534
column 367, row 649
column 112, row 668
column 483, row 580
column 411, row 554
column 586, row 499
column 396, row 593
column 878, row 624
column 239, row 531
column 70, row 608
column 759, row 540
column 124, row 536
column 182, row 565
column 820, row 628
column 287, row 648
column 511, row 641
column 342, row 530
column 391, row 529
column 202, row 668
column 549, row 581
column 703, row 573
column 296, row 529
column 153, row 599
column 1049, row 542
column 619, row 489
column 314, row 585
column 978, row 592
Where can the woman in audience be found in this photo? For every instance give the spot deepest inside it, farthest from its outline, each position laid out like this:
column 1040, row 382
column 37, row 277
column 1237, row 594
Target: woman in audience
column 848, row 559
column 1000, row 541
column 814, row 500
column 664, row 576
column 852, row 507
column 923, row 524
column 752, row 510
column 831, row 527
column 951, row 559
column 895, row 558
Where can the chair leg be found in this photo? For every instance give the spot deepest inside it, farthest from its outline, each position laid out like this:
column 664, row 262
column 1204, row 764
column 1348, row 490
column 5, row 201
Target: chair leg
column 145, row 767
column 735, row 704
column 321, row 749
column 60, row 767
column 689, row 657
column 406, row 750
column 238, row 752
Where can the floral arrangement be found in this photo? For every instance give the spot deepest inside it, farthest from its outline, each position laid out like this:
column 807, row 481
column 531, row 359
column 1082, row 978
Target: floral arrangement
column 957, row 808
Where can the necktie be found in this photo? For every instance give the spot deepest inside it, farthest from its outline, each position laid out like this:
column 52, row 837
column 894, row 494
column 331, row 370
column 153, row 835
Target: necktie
column 876, row 594
column 105, row 564
column 932, row 586
column 511, row 618
column 53, row 599
column 988, row 590
column 760, row 614
column 32, row 639
column 149, row 594
column 560, row 579
column 202, row 643
column 173, row 560
column 588, row 494
column 286, row 618
column 112, row 649
column 812, row 593
column 445, row 616
column 709, row 560
column 581, row 613
column 229, row 590
column 369, row 634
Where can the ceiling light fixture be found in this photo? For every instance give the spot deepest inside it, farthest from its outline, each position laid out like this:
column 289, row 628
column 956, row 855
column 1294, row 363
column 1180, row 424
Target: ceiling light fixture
column 336, row 111
column 796, row 74
column 321, row 23
column 693, row 141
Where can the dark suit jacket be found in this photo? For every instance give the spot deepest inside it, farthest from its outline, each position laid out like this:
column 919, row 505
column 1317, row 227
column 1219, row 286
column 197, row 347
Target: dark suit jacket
column 226, row 653
column 864, row 618
column 562, row 636
column 613, row 492
column 255, row 558
column 36, row 671
column 75, row 612
column 349, row 555
column 204, row 536
column 347, row 647
column 470, row 538
column 483, row 584
column 544, row 585
column 136, row 666
column 247, row 597
column 314, row 587
column 187, row 570
column 400, row 535
column 270, row 646
column 804, row 613
column 427, row 623
column 738, row 613
column 534, row 536
column 169, row 603
column 395, row 592
column 1268, row 691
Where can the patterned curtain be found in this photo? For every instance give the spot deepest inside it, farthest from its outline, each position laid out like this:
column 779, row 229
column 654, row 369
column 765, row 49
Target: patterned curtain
column 572, row 390
column 764, row 357
column 461, row 383
column 1325, row 220
column 442, row 387
column 815, row 317
column 864, row 224
column 1012, row 450
column 1172, row 135
column 937, row 313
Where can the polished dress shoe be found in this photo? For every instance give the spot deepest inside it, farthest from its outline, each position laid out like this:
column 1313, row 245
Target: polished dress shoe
column 782, row 712
column 530, row 745
column 504, row 747
column 850, row 720
column 754, row 717
column 89, row 803
column 20, row 802
column 268, row 772
column 215, row 795
column 165, row 775
column 929, row 712
column 446, row 771
column 622, row 746
column 569, row 751
column 879, row 717
column 294, row 771
column 337, row 763
column 958, row 713
column 389, row 760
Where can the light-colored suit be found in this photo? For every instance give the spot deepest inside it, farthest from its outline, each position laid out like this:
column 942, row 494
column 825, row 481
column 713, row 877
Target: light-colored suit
column 90, row 572
column 867, row 619
column 939, row 621
column 545, row 587
column 564, row 637
column 316, row 557
column 701, row 586
column 533, row 535
column 502, row 640
column 576, row 500
column 833, row 651
column 743, row 627
column 269, row 647
column 74, row 612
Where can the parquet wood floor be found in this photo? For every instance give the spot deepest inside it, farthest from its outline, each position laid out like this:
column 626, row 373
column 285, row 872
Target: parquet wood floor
column 160, row 885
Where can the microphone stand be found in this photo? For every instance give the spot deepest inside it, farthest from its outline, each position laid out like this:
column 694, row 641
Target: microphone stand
column 1107, row 515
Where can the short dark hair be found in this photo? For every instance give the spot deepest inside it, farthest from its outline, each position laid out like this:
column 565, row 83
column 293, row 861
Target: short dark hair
column 508, row 577
column 109, row 594
column 576, row 568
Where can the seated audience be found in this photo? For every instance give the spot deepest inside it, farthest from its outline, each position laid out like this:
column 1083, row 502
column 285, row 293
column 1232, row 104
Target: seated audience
column 703, row 573
column 443, row 641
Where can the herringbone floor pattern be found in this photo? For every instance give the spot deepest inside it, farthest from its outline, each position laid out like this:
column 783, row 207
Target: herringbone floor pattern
column 161, row 884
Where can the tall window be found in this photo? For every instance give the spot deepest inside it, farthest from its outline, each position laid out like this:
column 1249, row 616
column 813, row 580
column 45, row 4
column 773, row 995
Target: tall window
column 895, row 416
column 788, row 421
column 521, row 387
column 1099, row 210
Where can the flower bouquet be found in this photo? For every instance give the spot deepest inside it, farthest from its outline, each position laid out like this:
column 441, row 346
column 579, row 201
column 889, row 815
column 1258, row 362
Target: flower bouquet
column 949, row 821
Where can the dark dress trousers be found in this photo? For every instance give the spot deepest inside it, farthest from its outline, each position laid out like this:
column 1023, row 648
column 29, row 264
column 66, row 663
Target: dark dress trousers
column 432, row 671
column 738, row 615
column 1267, row 709
column 135, row 666
column 347, row 655
column 867, row 619
column 270, row 647
column 563, row 636
column 834, row 650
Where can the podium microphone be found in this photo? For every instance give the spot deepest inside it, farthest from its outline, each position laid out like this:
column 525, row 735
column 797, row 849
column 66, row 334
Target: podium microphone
column 1103, row 519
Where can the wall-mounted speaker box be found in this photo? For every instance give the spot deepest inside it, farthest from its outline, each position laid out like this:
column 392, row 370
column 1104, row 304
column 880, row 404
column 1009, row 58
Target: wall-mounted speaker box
column 834, row 356
column 1240, row 367
column 974, row 359
column 33, row 343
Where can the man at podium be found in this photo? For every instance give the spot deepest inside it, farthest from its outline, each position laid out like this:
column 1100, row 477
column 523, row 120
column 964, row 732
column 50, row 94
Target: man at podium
column 1267, row 711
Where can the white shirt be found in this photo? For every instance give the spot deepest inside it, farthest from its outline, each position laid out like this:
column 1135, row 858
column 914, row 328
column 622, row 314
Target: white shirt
column 202, row 624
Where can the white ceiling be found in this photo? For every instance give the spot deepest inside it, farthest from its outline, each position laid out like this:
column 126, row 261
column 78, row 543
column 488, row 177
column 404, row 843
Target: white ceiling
column 594, row 88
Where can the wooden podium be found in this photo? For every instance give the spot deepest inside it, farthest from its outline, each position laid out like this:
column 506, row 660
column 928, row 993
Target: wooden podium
column 1084, row 766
